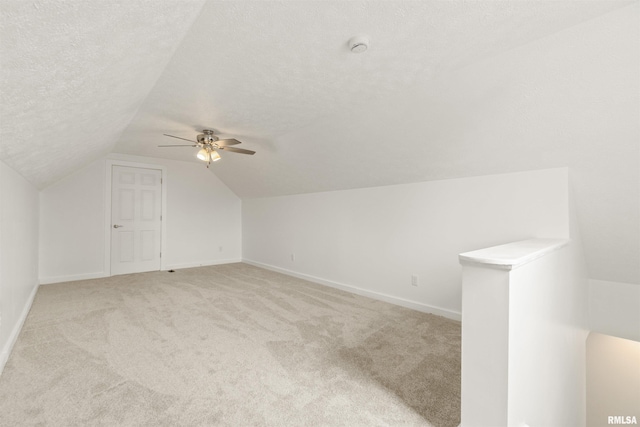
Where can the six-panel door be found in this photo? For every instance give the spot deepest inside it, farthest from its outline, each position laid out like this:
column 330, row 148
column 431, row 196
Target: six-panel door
column 136, row 202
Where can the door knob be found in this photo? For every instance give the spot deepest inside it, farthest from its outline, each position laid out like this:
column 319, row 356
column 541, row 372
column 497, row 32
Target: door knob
column 117, row 226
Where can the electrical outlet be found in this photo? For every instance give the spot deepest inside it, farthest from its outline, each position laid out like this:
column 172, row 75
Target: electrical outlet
column 293, row 257
column 220, row 248
column 414, row 280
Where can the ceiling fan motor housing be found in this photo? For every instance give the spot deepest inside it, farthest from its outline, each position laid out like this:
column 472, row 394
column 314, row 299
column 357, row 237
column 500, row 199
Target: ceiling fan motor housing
column 207, row 138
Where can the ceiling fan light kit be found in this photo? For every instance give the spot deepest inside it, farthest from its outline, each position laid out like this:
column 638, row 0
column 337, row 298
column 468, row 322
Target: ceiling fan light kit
column 208, row 155
column 209, row 145
column 203, row 155
column 214, row 156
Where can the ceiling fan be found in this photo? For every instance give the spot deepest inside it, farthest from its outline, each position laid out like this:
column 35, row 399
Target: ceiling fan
column 209, row 144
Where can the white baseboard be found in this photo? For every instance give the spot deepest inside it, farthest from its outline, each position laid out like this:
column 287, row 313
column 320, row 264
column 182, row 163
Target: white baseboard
column 15, row 332
column 201, row 264
column 102, row 274
column 72, row 278
column 425, row 308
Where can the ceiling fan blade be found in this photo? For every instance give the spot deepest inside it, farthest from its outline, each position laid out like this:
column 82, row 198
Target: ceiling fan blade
column 228, row 142
column 237, row 150
column 177, row 145
column 178, row 137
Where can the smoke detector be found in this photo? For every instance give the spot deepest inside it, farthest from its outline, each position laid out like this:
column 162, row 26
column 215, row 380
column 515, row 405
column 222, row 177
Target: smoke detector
column 358, row 44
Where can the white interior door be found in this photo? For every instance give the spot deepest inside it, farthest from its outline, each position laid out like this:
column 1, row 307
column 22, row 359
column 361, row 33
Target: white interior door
column 136, row 207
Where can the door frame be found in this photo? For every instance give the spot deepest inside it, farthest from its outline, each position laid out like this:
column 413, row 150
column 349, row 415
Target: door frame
column 109, row 164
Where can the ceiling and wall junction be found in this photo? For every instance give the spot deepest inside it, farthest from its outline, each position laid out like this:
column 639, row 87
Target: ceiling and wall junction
column 445, row 90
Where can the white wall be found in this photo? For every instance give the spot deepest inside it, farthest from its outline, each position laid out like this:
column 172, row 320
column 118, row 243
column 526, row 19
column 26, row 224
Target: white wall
column 485, row 346
column 548, row 324
column 18, row 254
column 614, row 309
column 372, row 240
column 202, row 216
column 547, row 340
column 523, row 334
column 71, row 226
column 569, row 99
column 613, row 379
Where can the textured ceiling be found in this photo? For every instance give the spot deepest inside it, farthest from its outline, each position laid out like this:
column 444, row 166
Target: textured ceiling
column 261, row 70
column 447, row 89
column 74, row 73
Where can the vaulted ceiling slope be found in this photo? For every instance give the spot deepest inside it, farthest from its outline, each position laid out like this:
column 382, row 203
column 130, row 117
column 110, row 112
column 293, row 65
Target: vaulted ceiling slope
column 447, row 89
column 74, row 73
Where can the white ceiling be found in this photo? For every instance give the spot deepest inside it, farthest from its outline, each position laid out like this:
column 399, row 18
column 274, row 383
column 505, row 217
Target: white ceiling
column 74, row 73
column 446, row 89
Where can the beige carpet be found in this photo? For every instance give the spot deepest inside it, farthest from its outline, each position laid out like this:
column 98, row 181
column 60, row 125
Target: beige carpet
column 230, row 345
